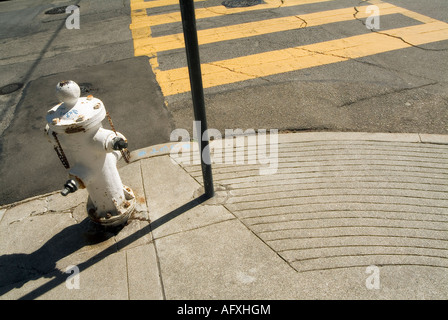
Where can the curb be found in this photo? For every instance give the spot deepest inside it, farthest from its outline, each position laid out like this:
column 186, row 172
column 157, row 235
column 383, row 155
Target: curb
column 164, row 149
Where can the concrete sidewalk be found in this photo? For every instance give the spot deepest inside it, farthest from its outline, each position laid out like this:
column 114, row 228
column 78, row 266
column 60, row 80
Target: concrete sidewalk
column 335, row 204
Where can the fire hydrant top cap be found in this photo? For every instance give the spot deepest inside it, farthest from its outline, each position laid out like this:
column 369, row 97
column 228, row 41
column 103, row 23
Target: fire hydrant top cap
column 68, row 91
column 74, row 114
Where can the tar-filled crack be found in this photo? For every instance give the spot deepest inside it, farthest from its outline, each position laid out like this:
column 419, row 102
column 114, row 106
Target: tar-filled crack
column 304, row 23
column 347, row 104
column 252, row 76
column 363, row 62
column 393, row 36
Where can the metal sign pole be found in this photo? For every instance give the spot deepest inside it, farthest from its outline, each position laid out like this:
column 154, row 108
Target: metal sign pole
column 197, row 91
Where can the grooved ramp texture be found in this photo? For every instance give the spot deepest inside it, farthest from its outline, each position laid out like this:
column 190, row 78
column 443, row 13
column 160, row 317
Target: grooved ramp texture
column 342, row 204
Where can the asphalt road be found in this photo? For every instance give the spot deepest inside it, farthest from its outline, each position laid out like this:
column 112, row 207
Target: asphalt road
column 398, row 84
column 393, row 91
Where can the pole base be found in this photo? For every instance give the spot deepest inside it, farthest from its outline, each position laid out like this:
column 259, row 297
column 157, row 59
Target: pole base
column 113, row 219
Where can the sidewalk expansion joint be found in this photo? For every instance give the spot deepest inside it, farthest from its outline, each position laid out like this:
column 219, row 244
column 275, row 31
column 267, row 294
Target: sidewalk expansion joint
column 159, row 268
column 260, row 239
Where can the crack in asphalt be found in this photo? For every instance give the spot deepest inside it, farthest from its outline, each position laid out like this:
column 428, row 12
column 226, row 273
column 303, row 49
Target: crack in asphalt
column 347, row 104
column 252, row 76
column 362, row 62
column 304, row 23
column 391, row 35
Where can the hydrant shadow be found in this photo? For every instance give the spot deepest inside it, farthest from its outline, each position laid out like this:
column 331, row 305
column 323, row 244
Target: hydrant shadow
column 18, row 269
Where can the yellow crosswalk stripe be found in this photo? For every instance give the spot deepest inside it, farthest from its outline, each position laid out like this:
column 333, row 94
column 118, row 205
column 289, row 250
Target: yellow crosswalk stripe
column 140, row 5
column 270, row 63
column 143, row 46
column 215, row 11
column 280, row 61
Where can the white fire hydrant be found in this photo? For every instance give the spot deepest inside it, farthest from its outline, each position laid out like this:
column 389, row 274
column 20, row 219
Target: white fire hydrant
column 90, row 154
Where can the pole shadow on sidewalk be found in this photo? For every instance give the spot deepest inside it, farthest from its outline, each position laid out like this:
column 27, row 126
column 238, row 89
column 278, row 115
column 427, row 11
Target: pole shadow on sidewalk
column 19, row 268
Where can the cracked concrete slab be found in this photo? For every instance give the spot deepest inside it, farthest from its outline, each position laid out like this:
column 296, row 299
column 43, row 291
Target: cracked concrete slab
column 170, row 178
column 144, row 282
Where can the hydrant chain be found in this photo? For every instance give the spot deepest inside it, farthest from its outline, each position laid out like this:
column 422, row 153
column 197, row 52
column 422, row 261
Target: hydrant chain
column 60, row 152
column 124, row 152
